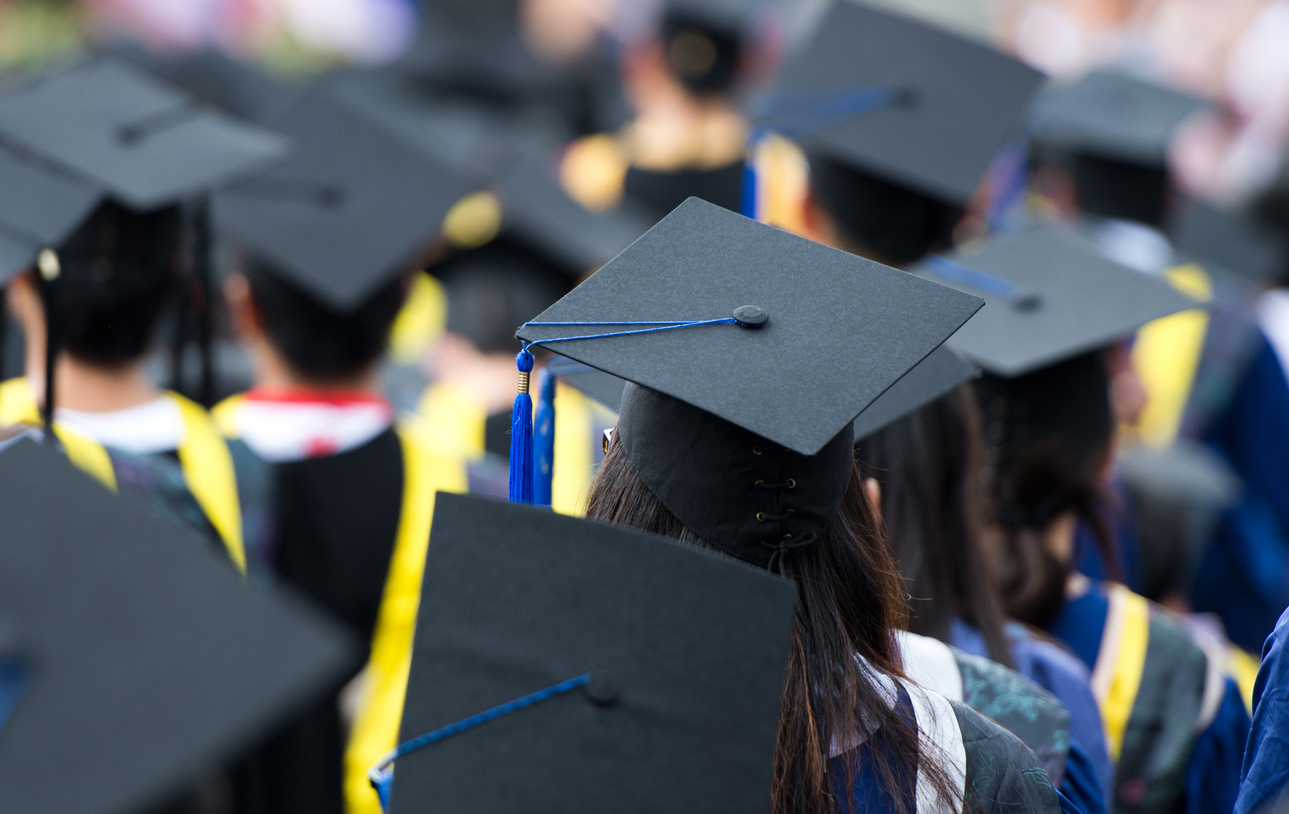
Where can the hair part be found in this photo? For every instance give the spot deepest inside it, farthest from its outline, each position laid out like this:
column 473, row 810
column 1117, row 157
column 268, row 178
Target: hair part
column 317, row 340
column 849, row 602
column 118, row 272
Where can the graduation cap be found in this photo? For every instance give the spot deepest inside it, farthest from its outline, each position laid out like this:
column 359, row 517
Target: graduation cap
column 952, row 101
column 148, row 660
column 351, row 209
column 940, row 373
column 624, row 672
column 750, row 350
column 41, row 207
column 144, row 143
column 1051, row 295
column 1107, row 113
column 1234, row 240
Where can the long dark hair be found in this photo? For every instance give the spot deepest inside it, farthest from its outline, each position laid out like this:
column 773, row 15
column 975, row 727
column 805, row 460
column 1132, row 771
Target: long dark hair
column 929, row 465
column 1049, row 435
column 849, row 603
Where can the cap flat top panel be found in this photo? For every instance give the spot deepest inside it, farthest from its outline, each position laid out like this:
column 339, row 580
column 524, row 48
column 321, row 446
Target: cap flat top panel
column 150, row 659
column 695, row 643
column 144, row 143
column 966, row 98
column 1111, row 114
column 936, row 375
column 40, row 207
column 841, row 329
column 536, row 209
column 348, row 211
column 1085, row 301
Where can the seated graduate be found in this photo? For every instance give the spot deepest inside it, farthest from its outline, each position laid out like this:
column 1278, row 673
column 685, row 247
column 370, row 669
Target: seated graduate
column 689, row 136
column 761, row 469
column 1174, row 722
column 109, row 246
column 1212, row 379
column 338, row 495
column 927, row 468
column 1264, row 774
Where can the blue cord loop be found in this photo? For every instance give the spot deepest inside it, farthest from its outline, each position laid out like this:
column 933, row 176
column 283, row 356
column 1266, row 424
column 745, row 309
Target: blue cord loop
column 544, row 439
column 660, row 325
column 381, row 775
column 955, row 272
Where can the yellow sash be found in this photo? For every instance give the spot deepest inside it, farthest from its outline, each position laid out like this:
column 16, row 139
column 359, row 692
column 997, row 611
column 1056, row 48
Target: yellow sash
column 203, row 456
column 1166, row 356
column 1120, row 662
column 375, row 729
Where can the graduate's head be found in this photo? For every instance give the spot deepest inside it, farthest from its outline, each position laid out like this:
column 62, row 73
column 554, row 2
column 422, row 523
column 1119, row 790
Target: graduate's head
column 675, row 470
column 319, row 342
column 934, row 501
column 1049, row 437
column 703, row 53
column 1122, row 189
column 874, row 217
column 118, row 270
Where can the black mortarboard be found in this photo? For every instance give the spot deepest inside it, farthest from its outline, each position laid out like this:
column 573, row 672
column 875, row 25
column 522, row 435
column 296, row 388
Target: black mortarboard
column 149, row 660
column 956, row 101
column 840, row 329
column 40, row 208
column 144, row 143
column 1050, row 295
column 350, row 209
column 939, row 373
column 684, row 650
column 776, row 344
column 1233, row 240
column 1108, row 114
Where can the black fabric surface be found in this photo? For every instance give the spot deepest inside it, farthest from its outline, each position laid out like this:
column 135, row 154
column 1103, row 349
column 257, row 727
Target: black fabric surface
column 517, row 599
column 936, row 375
column 152, row 660
column 662, row 192
column 40, row 208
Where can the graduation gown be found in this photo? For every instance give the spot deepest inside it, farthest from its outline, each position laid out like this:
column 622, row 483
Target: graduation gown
column 1175, row 723
column 1264, row 774
column 1014, row 702
column 332, row 526
column 987, row 767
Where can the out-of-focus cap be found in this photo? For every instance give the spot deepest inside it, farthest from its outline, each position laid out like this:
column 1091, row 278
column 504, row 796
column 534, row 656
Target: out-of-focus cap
column 955, row 101
column 142, row 142
column 149, row 660
column 834, row 330
column 1231, row 239
column 352, row 208
column 1110, row 114
column 684, row 649
column 941, row 372
column 1050, row 294
column 40, row 208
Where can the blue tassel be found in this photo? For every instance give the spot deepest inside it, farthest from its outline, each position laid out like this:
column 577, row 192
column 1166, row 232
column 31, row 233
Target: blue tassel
column 747, row 198
column 544, row 449
column 521, row 435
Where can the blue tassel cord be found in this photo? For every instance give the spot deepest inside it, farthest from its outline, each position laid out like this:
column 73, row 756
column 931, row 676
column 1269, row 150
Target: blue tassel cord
column 544, row 440
column 381, row 775
column 521, row 434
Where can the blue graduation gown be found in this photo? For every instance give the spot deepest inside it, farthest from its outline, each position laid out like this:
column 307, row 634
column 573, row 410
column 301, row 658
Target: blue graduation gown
column 1265, row 772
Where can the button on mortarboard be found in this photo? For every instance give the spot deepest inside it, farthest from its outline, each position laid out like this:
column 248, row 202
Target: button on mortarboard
column 840, row 329
column 684, row 651
column 40, row 207
column 959, row 100
column 1108, row 114
column 352, row 208
column 144, row 143
column 1083, row 300
column 150, row 661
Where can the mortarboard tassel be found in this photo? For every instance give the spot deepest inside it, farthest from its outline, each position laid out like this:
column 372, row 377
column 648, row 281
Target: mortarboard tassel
column 544, row 439
column 748, row 195
column 50, row 269
column 521, row 434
